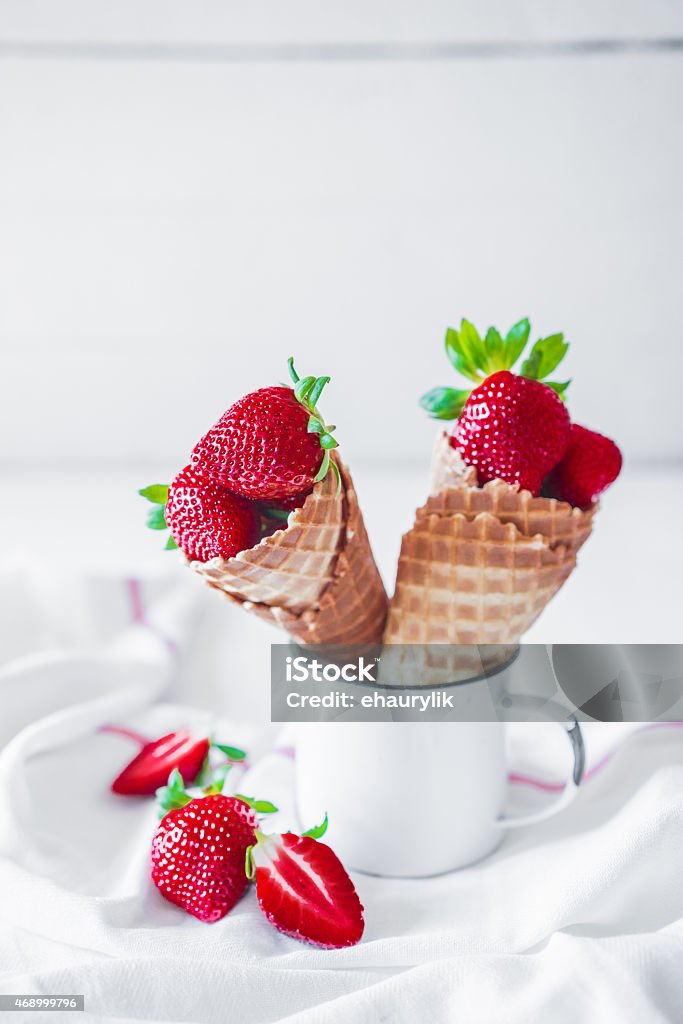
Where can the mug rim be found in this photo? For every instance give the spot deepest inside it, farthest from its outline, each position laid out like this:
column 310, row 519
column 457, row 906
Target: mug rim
column 483, row 676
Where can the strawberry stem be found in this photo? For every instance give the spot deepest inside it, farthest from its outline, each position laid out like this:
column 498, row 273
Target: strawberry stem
column 307, row 391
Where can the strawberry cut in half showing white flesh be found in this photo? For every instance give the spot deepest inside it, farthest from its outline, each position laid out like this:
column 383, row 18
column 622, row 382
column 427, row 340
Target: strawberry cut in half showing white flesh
column 305, row 892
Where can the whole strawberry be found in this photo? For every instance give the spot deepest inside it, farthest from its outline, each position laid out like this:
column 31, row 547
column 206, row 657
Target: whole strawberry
column 304, row 890
column 512, row 429
column 207, row 521
column 591, row 463
column 198, row 855
column 271, row 444
column 511, row 426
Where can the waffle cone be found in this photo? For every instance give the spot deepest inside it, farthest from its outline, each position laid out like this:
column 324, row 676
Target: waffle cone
column 316, row 578
column 480, row 563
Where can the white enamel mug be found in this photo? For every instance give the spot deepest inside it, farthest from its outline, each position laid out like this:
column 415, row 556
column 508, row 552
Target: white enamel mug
column 412, row 799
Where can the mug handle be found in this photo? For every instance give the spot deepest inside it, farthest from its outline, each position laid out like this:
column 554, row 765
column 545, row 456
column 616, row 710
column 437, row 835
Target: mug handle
column 575, row 737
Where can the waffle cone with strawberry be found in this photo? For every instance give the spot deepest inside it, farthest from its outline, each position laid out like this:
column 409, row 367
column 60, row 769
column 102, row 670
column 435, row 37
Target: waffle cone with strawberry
column 267, row 514
column 316, row 578
column 495, row 540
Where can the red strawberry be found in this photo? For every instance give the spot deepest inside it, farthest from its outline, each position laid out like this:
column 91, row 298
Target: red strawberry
column 305, row 892
column 207, row 521
column 198, row 855
column 513, row 429
column 590, row 464
column 156, row 760
column 271, row 444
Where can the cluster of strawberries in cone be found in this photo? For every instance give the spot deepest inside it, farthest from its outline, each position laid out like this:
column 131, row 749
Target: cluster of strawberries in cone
column 269, row 449
column 260, row 461
column 515, row 426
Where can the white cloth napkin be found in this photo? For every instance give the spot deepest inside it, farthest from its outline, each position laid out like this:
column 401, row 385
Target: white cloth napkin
column 577, row 919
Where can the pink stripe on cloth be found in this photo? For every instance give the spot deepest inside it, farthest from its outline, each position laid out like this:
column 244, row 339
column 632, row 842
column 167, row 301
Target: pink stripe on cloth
column 288, row 752
column 137, row 608
column 557, row 787
column 138, row 614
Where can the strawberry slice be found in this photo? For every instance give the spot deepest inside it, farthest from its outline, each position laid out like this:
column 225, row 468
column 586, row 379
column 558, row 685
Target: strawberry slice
column 305, row 892
column 151, row 767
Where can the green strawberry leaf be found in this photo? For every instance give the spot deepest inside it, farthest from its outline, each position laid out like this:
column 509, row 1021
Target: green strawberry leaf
column 171, row 544
column 317, row 390
column 315, row 425
column 264, row 807
column 444, row 403
column 472, row 345
column 532, row 365
column 234, row 753
column 260, row 806
column 456, row 354
column 545, row 356
column 303, row 388
column 156, row 493
column 495, row 350
column 552, row 353
column 249, row 866
column 173, row 795
column 205, row 773
column 335, row 470
column 217, row 779
column 318, row 830
column 156, row 520
column 559, row 387
column 328, row 442
column 324, row 466
column 515, row 342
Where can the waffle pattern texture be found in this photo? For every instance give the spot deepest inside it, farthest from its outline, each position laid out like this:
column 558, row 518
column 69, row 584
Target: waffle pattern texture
column 480, row 563
column 317, row 578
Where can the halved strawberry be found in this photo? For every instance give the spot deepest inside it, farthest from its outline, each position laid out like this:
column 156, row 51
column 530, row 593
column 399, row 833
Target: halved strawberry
column 151, row 767
column 305, row 892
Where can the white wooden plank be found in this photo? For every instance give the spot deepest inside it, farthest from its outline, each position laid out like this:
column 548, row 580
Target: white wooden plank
column 309, row 21
column 171, row 233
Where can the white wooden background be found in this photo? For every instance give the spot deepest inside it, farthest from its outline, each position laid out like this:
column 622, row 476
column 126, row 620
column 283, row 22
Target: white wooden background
column 191, row 192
